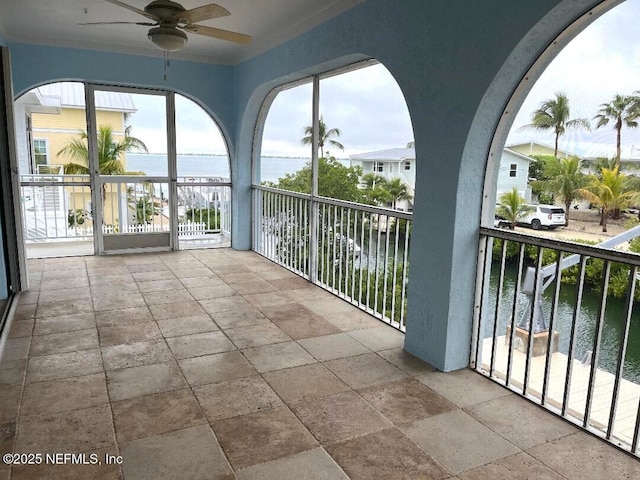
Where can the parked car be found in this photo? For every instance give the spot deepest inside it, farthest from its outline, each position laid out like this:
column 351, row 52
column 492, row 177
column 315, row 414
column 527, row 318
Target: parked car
column 550, row 216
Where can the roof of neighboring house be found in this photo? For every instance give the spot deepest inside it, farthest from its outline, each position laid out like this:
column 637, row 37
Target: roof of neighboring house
column 519, row 155
column 71, row 95
column 532, row 145
column 389, row 155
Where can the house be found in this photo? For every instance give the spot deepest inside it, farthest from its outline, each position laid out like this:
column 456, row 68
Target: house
column 401, row 163
column 531, row 149
column 389, row 164
column 460, row 67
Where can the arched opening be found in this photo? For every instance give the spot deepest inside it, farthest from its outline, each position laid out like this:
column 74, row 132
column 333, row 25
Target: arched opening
column 557, row 279
column 150, row 167
column 334, row 186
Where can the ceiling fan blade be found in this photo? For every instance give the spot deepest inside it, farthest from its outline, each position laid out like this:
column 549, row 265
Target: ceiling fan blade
column 200, row 14
column 218, row 33
column 132, row 8
column 147, row 24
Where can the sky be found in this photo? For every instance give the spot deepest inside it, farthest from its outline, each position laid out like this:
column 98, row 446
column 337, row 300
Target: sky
column 602, row 61
column 368, row 108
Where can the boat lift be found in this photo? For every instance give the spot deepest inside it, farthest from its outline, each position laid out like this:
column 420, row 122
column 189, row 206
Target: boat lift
column 547, row 275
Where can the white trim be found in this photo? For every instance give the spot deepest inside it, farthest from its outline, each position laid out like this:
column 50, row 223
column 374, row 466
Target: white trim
column 67, row 130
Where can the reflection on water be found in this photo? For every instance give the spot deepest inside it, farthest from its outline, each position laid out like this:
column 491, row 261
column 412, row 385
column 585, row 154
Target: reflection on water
column 612, row 331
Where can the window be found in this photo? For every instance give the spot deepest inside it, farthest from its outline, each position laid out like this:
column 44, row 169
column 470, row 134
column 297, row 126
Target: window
column 40, row 153
column 407, row 165
column 513, row 170
column 378, row 167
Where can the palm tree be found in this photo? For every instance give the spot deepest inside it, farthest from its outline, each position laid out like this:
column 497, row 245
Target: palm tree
column 553, row 114
column 397, row 190
column 608, row 192
column 623, row 110
column 109, row 153
column 566, row 179
column 512, row 207
column 374, row 190
column 324, row 136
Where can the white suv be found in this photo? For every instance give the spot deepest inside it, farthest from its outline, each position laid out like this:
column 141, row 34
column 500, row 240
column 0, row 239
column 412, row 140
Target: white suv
column 550, row 216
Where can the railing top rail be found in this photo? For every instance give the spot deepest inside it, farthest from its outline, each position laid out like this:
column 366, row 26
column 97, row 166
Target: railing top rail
column 563, row 245
column 132, row 179
column 183, row 183
column 340, row 203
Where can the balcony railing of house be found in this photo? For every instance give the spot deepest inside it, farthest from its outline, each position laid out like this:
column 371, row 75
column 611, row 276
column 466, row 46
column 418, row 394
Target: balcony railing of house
column 58, row 207
column 558, row 323
column 357, row 252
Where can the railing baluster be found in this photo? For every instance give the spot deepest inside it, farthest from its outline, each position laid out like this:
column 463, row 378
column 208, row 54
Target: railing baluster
column 535, row 312
column 552, row 324
column 405, row 271
column 496, row 314
column 514, row 311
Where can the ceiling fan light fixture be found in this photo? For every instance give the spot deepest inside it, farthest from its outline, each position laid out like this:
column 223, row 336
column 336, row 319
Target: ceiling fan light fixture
column 168, row 39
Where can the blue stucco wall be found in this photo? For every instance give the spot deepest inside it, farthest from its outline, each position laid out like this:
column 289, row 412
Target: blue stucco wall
column 456, row 70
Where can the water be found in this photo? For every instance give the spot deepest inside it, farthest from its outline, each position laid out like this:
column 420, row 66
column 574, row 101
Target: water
column 614, row 321
column 272, row 168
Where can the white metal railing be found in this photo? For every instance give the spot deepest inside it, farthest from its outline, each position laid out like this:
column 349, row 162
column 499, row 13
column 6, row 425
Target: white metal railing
column 560, row 332
column 58, row 207
column 360, row 252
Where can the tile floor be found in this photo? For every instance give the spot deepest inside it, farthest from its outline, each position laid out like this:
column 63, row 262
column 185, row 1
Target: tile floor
column 218, row 365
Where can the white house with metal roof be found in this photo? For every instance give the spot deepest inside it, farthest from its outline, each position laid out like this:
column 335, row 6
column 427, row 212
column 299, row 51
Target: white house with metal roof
column 401, row 163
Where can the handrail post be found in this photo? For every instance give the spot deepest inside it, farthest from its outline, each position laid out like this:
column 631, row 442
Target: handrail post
column 313, row 206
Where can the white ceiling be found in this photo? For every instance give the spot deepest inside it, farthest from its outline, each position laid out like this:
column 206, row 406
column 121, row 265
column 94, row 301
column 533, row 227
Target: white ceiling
column 269, row 22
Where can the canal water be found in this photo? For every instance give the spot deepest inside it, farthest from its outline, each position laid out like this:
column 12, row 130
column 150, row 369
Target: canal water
column 614, row 322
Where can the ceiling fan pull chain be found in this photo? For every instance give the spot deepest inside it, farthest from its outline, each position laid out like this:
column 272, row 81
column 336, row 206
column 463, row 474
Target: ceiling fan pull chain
column 166, row 64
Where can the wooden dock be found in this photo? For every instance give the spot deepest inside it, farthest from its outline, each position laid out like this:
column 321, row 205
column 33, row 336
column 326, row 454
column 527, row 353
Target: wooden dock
column 628, row 395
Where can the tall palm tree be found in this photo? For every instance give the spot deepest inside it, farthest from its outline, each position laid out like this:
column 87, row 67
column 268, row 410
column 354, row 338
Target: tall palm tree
column 324, row 136
column 623, row 111
column 512, row 207
column 397, row 190
column 554, row 114
column 566, row 180
column 608, row 192
column 374, row 189
column 110, row 153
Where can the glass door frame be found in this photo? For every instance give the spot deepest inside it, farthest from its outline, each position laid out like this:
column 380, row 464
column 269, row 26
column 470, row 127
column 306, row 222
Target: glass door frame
column 97, row 180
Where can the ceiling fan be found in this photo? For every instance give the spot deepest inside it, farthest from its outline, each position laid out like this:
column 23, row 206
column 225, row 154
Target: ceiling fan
column 171, row 20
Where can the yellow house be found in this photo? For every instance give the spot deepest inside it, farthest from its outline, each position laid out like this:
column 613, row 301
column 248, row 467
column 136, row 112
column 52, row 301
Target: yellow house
column 531, row 149
column 48, row 118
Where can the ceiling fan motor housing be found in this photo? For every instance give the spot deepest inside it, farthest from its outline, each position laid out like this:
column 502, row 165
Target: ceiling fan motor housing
column 164, row 9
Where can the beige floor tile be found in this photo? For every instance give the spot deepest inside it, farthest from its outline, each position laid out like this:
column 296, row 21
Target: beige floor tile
column 64, row 323
column 47, row 296
column 131, row 333
column 64, row 307
column 114, row 290
column 176, row 327
column 16, row 349
column 259, row 437
column 384, row 455
column 63, row 395
column 55, row 284
column 364, row 370
column 21, row 328
column 581, row 456
column 123, row 316
column 225, row 304
column 517, row 467
column 64, row 342
column 188, row 273
column 191, row 453
column 74, row 431
column 154, row 414
column 144, row 380
column 240, row 317
column 29, row 298
column 135, row 354
column 266, row 299
column 236, row 397
column 176, row 310
column 216, row 368
column 24, row 312
column 7, row 438
column 225, row 268
column 278, row 356
column 406, row 401
column 463, row 387
column 10, row 405
column 256, row 335
column 199, row 344
column 160, row 285
column 64, row 365
column 116, row 302
column 406, row 362
column 109, row 279
column 257, row 286
column 106, row 271
column 330, row 347
column 234, row 278
column 151, row 273
column 338, row 417
column 12, row 372
column 379, row 338
column 330, row 306
column 313, row 464
column 519, row 421
column 458, row 441
column 299, row 328
column 291, row 283
column 288, row 311
column 349, row 321
column 314, row 380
